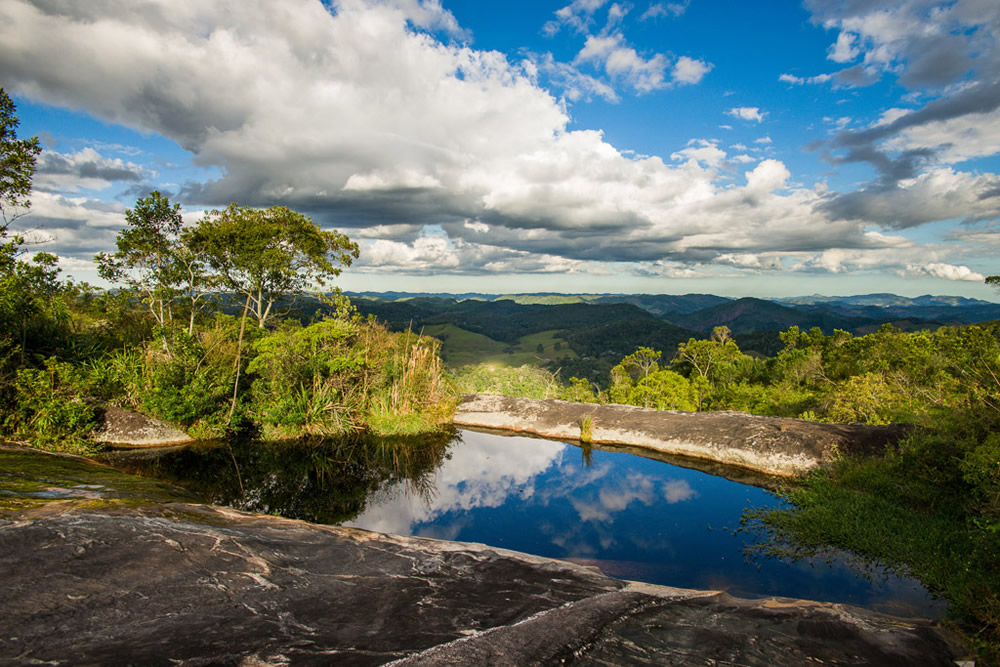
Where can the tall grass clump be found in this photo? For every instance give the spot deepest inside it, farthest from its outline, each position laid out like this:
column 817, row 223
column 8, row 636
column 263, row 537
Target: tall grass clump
column 411, row 393
column 345, row 374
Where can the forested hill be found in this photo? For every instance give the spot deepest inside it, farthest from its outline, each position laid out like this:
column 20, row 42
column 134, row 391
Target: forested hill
column 657, row 304
column 607, row 327
column 507, row 317
column 508, row 321
column 749, row 315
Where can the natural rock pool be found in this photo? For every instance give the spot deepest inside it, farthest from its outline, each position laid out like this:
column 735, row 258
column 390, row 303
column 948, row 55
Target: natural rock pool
column 630, row 516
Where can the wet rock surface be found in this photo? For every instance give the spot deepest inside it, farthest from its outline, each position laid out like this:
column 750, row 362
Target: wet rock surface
column 124, row 582
column 126, row 428
column 771, row 445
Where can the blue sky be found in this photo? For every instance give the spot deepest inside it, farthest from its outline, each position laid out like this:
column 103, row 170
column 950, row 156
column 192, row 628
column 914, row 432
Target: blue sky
column 766, row 149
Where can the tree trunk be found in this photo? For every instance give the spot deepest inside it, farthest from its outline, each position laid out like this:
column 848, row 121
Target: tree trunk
column 239, row 357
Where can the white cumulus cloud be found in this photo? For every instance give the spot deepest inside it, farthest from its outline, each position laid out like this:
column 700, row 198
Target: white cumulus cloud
column 354, row 113
column 946, row 271
column 799, row 80
column 752, row 114
column 689, row 70
column 843, row 50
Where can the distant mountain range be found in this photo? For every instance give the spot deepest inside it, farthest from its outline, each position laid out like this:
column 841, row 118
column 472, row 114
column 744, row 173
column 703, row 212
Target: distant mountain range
column 603, row 328
column 886, row 300
column 696, row 312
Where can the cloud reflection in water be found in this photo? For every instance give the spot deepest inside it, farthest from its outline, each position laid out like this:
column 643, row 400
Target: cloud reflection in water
column 483, row 471
column 633, row 517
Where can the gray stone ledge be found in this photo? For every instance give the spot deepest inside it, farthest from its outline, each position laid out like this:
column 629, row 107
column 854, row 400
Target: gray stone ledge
column 770, row 445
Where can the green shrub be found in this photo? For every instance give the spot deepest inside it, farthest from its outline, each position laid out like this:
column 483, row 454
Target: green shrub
column 579, row 390
column 524, row 381
column 304, row 378
column 663, row 390
column 49, row 410
column 178, row 384
column 867, row 398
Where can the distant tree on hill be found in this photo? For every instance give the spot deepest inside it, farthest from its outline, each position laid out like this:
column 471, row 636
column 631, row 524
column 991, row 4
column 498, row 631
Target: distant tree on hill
column 722, row 334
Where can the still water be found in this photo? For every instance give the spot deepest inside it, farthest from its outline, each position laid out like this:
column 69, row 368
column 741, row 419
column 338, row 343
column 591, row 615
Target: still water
column 630, row 516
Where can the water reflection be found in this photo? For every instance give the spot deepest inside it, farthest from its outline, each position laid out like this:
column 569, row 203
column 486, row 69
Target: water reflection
column 322, row 482
column 483, row 473
column 633, row 517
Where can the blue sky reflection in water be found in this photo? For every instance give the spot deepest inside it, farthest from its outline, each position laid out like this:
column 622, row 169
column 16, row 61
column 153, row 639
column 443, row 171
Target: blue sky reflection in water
column 634, row 518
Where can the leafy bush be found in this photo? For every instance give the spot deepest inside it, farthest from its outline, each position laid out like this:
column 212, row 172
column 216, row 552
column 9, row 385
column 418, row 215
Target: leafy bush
column 49, row 410
column 868, row 399
column 524, row 381
column 305, row 378
column 663, row 390
column 579, row 391
column 177, row 384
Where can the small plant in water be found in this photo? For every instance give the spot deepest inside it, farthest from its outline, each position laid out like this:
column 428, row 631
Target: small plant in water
column 586, row 428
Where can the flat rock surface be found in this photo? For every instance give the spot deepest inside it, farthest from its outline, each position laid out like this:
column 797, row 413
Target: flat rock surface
column 97, row 577
column 772, row 445
column 121, row 427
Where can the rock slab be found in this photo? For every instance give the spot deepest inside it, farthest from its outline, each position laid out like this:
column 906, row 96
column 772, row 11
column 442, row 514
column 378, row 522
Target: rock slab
column 771, row 445
column 127, row 428
column 199, row 585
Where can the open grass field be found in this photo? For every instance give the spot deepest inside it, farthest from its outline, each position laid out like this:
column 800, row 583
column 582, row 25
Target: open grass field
column 460, row 347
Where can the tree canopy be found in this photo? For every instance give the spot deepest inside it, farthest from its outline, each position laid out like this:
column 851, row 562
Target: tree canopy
column 147, row 250
column 265, row 254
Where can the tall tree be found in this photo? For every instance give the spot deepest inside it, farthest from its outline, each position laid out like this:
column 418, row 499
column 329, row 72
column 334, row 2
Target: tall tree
column 17, row 165
column 148, row 252
column 192, row 275
column 710, row 359
column 17, row 290
column 633, row 368
column 267, row 254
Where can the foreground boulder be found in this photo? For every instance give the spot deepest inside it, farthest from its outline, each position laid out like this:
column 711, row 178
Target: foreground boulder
column 771, row 445
column 93, row 575
column 127, row 428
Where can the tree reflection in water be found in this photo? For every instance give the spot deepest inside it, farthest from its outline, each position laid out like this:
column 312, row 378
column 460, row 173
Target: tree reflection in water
column 322, row 480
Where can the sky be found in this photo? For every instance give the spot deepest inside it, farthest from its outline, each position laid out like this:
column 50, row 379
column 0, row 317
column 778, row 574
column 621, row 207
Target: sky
column 738, row 148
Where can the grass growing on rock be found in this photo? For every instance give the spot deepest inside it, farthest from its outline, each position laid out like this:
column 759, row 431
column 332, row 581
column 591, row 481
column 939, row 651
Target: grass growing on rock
column 30, row 480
